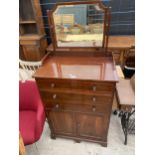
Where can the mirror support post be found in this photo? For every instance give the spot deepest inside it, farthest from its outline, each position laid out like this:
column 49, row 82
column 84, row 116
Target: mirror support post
column 49, row 12
column 107, row 28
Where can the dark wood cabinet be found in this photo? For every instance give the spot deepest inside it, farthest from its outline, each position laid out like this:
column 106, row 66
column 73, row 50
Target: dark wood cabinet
column 33, row 49
column 78, row 108
column 77, row 81
column 32, row 36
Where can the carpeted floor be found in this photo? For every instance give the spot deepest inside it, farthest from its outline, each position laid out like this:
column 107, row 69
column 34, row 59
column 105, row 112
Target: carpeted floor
column 48, row 146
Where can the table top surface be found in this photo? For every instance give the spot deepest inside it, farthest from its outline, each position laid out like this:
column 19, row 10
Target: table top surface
column 121, row 41
column 79, row 68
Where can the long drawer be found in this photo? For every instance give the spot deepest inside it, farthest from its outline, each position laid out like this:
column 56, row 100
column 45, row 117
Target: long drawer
column 75, row 84
column 67, row 98
column 93, row 109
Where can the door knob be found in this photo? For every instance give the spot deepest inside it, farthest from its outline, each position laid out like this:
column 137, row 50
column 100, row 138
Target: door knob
column 94, row 99
column 52, row 85
column 54, row 96
column 94, row 88
column 93, row 108
column 57, row 105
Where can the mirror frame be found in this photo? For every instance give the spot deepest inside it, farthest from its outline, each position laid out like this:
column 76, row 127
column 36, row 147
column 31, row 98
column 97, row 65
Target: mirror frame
column 106, row 24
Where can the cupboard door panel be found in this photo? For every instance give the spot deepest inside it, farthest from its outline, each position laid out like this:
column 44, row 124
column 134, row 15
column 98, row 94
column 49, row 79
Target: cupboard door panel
column 62, row 122
column 31, row 52
column 91, row 126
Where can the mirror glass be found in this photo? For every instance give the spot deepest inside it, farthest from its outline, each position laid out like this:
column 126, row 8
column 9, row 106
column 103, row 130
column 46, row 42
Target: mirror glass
column 80, row 25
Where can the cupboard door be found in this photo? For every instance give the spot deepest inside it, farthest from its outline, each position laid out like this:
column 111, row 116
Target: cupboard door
column 31, row 52
column 62, row 122
column 91, row 126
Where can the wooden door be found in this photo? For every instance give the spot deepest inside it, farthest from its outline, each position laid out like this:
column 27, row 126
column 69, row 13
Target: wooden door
column 91, row 126
column 31, row 52
column 62, row 122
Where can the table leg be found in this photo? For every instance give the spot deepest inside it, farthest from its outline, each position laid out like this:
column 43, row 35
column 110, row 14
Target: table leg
column 122, row 58
column 125, row 123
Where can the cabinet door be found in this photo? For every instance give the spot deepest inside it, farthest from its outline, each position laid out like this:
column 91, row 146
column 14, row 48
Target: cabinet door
column 91, row 126
column 62, row 122
column 31, row 52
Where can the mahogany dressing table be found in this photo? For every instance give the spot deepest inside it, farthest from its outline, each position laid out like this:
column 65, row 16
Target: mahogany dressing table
column 76, row 83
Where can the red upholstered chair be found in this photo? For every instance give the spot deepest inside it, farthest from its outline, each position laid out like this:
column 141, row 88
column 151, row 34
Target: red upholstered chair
column 31, row 112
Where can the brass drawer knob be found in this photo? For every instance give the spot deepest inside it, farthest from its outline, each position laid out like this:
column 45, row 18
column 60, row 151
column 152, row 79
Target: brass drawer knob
column 57, row 106
column 94, row 99
column 54, row 96
column 52, row 85
column 94, row 88
column 93, row 108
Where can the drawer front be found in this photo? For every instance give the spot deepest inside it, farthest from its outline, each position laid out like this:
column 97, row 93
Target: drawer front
column 75, row 99
column 93, row 109
column 74, row 84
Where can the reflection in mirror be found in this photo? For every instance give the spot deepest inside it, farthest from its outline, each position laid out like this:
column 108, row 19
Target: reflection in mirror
column 79, row 25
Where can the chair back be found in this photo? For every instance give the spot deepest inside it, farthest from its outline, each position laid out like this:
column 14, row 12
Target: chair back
column 28, row 68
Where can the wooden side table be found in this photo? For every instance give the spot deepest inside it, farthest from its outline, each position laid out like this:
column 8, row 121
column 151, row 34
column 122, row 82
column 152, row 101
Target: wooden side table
column 125, row 97
column 118, row 45
column 126, row 111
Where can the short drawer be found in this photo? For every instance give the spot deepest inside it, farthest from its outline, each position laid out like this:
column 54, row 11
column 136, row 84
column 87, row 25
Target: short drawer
column 75, row 99
column 75, row 84
column 93, row 109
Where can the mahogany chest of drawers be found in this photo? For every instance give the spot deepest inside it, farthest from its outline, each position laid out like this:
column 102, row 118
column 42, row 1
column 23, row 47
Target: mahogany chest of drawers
column 77, row 94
